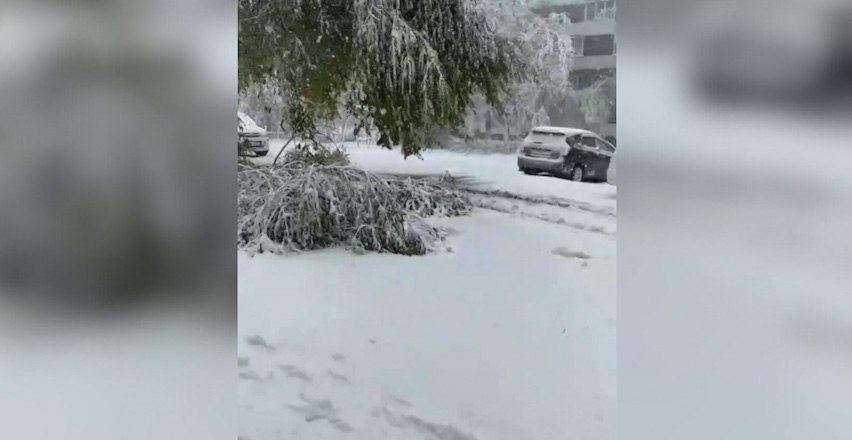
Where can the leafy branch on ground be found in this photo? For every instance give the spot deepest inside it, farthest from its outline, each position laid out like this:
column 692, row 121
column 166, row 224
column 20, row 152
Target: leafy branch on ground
column 305, row 206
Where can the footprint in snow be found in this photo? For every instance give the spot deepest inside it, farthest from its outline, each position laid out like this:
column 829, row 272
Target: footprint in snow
column 258, row 341
column 397, row 401
column 321, row 409
column 295, row 373
column 418, row 425
column 338, row 377
column 563, row 252
column 252, row 376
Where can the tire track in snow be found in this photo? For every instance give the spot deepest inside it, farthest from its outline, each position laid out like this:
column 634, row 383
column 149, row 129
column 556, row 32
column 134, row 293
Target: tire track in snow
column 541, row 200
column 506, row 206
column 474, row 186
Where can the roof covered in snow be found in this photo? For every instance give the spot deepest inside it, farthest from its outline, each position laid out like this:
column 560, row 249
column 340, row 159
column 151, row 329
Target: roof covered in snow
column 564, row 130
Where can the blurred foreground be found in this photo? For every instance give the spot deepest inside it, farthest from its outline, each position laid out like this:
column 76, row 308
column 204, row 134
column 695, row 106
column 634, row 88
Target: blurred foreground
column 735, row 314
column 117, row 191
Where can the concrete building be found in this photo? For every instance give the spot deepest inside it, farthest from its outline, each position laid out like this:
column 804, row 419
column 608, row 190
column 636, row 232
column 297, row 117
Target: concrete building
column 592, row 32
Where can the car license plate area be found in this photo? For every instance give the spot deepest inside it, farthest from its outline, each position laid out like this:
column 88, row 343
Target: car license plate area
column 539, row 152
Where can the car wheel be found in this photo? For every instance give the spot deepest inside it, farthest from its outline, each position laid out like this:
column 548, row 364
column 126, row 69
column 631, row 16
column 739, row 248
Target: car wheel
column 527, row 171
column 565, row 172
column 577, row 173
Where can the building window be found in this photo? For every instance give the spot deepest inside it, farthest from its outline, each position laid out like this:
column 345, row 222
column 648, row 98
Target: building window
column 576, row 13
column 604, row 5
column 591, row 11
column 582, row 79
column 577, row 44
column 594, row 45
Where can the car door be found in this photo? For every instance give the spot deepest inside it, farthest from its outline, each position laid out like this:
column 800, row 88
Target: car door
column 605, row 153
column 587, row 154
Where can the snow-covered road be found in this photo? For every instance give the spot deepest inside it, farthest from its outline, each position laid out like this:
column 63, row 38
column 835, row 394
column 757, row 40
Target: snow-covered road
column 508, row 333
column 496, row 171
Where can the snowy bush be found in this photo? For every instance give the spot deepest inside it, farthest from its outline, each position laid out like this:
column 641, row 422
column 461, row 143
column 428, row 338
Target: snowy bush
column 302, row 206
column 312, row 155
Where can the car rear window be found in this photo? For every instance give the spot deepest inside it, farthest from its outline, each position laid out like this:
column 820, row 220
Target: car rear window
column 548, row 133
column 546, row 136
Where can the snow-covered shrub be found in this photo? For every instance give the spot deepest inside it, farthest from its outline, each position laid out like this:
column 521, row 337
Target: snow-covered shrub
column 302, row 206
column 316, row 155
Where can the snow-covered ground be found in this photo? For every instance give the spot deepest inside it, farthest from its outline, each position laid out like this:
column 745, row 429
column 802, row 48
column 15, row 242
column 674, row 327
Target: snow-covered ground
column 498, row 171
column 507, row 333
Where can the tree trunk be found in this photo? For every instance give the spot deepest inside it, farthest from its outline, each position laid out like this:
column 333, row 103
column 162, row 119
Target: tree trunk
column 281, row 151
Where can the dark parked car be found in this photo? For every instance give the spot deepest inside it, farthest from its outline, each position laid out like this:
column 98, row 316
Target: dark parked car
column 566, row 152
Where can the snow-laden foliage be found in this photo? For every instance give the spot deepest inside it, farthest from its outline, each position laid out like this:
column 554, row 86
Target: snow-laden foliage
column 406, row 66
column 302, row 206
column 546, row 51
column 598, row 101
column 311, row 155
column 266, row 102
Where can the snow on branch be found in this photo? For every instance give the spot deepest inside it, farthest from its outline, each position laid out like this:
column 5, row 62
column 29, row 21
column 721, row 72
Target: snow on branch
column 408, row 66
column 304, row 206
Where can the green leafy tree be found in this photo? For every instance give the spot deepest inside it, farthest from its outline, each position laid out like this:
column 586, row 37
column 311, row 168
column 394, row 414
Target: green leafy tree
column 408, row 66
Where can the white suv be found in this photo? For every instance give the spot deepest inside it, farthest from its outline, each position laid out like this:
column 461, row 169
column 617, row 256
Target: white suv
column 252, row 137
